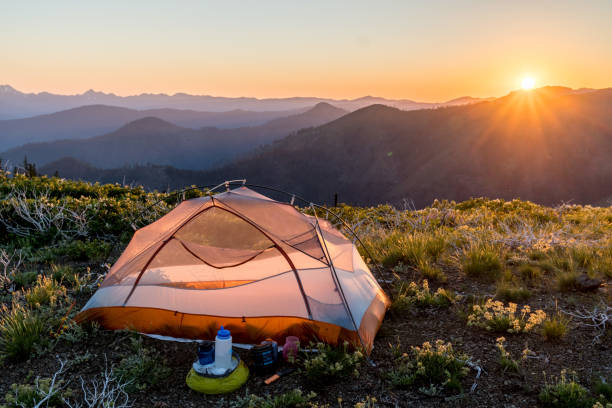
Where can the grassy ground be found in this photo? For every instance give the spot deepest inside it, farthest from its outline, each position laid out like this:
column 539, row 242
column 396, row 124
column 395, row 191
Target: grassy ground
column 462, row 273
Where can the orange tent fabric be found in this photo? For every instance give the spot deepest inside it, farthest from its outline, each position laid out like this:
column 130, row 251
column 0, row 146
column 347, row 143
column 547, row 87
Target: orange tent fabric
column 257, row 266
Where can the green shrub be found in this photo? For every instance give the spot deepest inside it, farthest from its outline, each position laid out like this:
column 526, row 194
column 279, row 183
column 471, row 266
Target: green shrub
column 536, row 255
column 76, row 250
column 407, row 249
column 482, row 262
column 565, row 393
column 25, row 279
column 142, row 368
column 368, row 402
column 530, row 273
column 582, row 256
column 603, row 264
column 46, row 292
column 555, row 328
column 505, row 358
column 331, row 364
column 432, row 368
column 30, row 395
column 292, row 399
column 548, row 267
column 435, row 246
column 511, row 291
column 497, row 317
column 421, row 296
column 20, row 330
column 62, row 273
column 566, row 281
column 432, row 272
column 603, row 390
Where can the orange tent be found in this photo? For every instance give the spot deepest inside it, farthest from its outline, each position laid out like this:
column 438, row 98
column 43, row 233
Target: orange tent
column 239, row 259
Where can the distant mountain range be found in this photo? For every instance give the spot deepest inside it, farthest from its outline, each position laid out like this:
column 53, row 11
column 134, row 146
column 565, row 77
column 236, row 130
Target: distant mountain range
column 94, row 120
column 548, row 145
column 153, row 140
column 15, row 104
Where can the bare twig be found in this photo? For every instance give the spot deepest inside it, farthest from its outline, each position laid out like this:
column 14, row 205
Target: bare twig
column 54, row 386
column 108, row 391
column 9, row 265
column 599, row 318
column 40, row 214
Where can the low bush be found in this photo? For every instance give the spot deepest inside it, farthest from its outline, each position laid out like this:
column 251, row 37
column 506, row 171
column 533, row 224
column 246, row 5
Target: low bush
column 582, row 256
column 603, row 264
column 20, row 331
column 76, row 250
column 566, row 280
column 603, row 390
column 62, row 273
column 401, row 248
column 435, row 245
column 432, row 272
column 530, row 273
column 556, row 327
column 495, row 316
column 511, row 291
column 421, row 296
column 331, row 364
column 482, row 261
column 86, row 282
column 142, row 368
column 432, row 368
column 368, row 402
column 25, row 279
column 32, row 395
column 292, row 399
column 565, row 392
column 46, row 292
column 506, row 361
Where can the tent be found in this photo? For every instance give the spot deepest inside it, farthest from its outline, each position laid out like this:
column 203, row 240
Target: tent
column 257, row 266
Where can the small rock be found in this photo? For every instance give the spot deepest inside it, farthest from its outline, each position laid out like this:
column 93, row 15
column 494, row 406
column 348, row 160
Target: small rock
column 585, row 284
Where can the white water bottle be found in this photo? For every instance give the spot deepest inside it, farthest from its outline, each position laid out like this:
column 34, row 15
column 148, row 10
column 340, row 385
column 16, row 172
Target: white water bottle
column 223, row 349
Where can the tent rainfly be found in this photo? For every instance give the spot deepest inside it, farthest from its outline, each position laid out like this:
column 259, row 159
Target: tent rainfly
column 239, row 259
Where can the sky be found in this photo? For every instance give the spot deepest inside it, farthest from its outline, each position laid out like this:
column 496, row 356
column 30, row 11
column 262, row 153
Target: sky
column 422, row 50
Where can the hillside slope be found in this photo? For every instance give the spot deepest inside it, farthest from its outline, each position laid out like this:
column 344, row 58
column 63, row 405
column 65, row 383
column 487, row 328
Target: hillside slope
column 152, row 140
column 546, row 145
column 93, row 120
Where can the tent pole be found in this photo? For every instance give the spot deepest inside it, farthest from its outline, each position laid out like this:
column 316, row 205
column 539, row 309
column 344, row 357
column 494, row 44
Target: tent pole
column 337, row 281
column 277, row 246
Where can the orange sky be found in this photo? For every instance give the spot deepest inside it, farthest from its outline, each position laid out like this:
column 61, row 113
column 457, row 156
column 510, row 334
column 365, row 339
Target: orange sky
column 433, row 51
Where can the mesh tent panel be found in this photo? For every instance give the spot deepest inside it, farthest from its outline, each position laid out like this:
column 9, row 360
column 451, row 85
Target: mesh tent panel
column 221, row 257
column 359, row 287
column 158, row 230
column 281, row 220
column 216, row 227
column 126, row 273
column 340, row 251
column 323, row 297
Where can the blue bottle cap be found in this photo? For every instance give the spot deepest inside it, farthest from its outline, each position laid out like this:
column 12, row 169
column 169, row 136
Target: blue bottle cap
column 223, row 334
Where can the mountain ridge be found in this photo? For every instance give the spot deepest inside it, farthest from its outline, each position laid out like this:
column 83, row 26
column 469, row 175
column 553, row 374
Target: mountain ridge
column 153, row 140
column 93, row 120
column 15, row 104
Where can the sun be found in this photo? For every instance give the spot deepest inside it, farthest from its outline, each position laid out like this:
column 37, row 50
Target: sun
column 528, row 83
